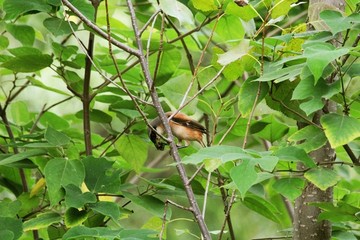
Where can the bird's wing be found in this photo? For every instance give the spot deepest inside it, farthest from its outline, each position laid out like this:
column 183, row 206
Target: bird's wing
column 186, row 122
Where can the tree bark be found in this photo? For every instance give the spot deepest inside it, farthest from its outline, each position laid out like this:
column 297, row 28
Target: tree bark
column 306, row 225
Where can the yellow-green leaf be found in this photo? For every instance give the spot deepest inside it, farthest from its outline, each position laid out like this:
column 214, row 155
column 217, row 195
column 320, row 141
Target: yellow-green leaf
column 340, row 129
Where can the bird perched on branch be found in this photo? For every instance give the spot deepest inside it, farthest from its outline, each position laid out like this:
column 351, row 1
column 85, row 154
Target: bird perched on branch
column 182, row 127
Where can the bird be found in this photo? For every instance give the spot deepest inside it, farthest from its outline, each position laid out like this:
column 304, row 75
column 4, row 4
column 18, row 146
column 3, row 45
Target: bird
column 182, row 127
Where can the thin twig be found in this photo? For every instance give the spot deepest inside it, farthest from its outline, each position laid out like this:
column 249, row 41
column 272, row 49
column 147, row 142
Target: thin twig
column 149, row 21
column 224, row 196
column 183, row 43
column 354, row 159
column 99, row 31
column 199, row 92
column 199, row 63
column 206, row 194
column 198, row 28
column 230, row 128
column 195, row 174
column 167, row 202
column 117, row 137
column 124, row 87
column 160, row 50
column 15, row 149
column 12, row 95
column 44, row 110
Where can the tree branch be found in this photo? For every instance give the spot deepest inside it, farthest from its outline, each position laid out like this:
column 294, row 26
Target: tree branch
column 99, row 30
column 173, row 148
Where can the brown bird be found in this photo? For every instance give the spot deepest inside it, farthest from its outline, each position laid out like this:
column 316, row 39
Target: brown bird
column 182, row 127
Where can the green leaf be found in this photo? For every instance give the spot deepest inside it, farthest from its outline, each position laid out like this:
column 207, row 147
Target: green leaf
column 266, row 162
column 323, row 178
column 59, row 27
column 281, row 8
column 280, row 100
column 342, row 212
column 28, row 203
column 75, row 217
column 77, row 199
column 319, row 55
column 42, row 220
column 109, row 209
column 340, row 129
column 235, row 53
column 20, row 51
column 294, row 154
column 353, row 199
column 235, row 69
column 246, row 13
column 6, row 235
column 15, row 8
column 9, row 208
column 314, row 95
column 177, row 10
column 155, row 224
column 224, row 31
column 244, row 176
column 133, row 150
column 54, row 121
column 40, row 84
column 138, row 234
column 96, row 116
column 149, row 203
column 124, row 108
column 64, row 52
column 262, row 207
column 175, row 88
column 310, row 138
column 84, row 7
column 20, row 113
column 56, row 138
column 273, row 129
column 21, row 156
column 12, row 227
column 204, row 5
column 28, row 63
column 212, row 164
column 339, row 235
column 169, row 63
column 99, row 177
column 82, row 232
column 4, row 42
column 54, row 2
column 60, row 173
column 281, row 74
column 337, row 23
column 223, row 152
column 290, row 188
column 159, row 185
column 248, row 93
column 24, row 33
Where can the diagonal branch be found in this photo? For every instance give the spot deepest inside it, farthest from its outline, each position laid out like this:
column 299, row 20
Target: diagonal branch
column 99, row 30
column 173, row 148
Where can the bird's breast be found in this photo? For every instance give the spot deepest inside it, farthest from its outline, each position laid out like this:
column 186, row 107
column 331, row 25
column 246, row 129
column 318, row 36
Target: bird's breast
column 185, row 133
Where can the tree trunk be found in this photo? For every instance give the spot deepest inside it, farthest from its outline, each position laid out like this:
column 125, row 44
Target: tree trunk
column 306, row 225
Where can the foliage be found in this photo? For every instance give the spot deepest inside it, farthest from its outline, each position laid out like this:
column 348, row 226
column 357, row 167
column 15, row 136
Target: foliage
column 76, row 161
